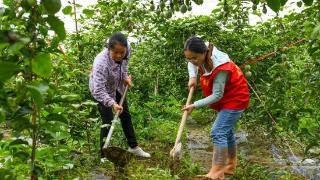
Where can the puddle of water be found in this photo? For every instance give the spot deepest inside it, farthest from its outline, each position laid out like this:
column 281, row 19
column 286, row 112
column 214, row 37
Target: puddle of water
column 192, row 144
column 254, row 149
column 309, row 168
column 100, row 176
column 273, row 157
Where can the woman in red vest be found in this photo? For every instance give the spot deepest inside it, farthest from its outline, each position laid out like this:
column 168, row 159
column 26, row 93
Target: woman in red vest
column 225, row 89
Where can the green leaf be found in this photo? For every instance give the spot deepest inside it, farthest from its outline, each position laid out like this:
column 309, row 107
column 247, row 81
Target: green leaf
column 22, row 155
column 67, row 10
column 274, row 5
column 56, row 129
column 55, row 42
column 308, row 2
column 36, row 95
column 283, row 2
column 9, row 2
column 22, row 111
column 2, row 115
column 6, row 174
column 37, row 91
column 20, row 124
column 71, row 97
column 316, row 33
column 41, row 86
column 68, row 97
column 42, row 65
column 89, row 103
column 52, row 6
column 68, row 166
column 15, row 48
column 24, row 40
column 43, row 30
column 89, row 13
column 45, row 152
column 57, row 117
column 78, row 5
column 3, row 45
column 255, row 2
column 7, row 69
column 18, row 142
column 57, row 25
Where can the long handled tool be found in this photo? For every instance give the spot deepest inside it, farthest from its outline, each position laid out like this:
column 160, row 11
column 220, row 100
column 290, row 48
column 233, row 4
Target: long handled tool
column 176, row 150
column 116, row 155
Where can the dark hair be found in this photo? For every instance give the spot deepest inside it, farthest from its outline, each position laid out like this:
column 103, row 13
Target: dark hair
column 195, row 44
column 117, row 38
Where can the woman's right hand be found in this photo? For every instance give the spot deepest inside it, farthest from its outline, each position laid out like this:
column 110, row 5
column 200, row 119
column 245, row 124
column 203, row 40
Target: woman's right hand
column 192, row 83
column 188, row 108
column 116, row 107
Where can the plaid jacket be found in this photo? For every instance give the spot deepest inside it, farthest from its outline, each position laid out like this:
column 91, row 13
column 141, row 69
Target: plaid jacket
column 107, row 77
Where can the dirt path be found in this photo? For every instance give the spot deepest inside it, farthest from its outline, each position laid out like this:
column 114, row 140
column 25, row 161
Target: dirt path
column 199, row 146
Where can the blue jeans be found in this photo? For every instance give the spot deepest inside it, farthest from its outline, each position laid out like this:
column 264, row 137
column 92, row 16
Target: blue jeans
column 223, row 130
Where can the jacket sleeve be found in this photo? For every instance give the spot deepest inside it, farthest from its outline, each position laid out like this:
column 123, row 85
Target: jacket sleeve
column 99, row 80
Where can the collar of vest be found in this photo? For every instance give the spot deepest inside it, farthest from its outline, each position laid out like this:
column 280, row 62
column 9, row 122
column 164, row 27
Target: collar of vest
column 218, row 58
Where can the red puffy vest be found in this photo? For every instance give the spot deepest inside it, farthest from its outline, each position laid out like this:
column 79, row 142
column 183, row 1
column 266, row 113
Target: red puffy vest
column 236, row 92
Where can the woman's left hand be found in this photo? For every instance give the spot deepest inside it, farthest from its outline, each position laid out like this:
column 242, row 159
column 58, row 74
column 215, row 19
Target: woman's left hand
column 128, row 81
column 188, row 108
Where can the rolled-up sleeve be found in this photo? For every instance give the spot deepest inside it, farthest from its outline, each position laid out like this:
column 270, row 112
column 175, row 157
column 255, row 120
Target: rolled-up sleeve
column 98, row 85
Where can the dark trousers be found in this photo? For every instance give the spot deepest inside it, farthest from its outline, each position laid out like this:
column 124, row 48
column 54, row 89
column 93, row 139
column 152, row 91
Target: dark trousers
column 125, row 117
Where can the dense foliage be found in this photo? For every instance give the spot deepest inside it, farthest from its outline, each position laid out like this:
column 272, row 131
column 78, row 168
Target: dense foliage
column 52, row 121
